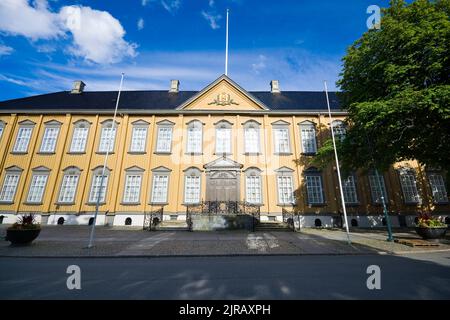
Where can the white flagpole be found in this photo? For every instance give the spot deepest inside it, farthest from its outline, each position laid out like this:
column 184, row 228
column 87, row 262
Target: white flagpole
column 226, row 47
column 337, row 165
column 112, row 136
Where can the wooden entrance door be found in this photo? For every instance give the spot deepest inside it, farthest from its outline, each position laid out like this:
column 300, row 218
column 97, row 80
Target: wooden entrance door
column 222, row 186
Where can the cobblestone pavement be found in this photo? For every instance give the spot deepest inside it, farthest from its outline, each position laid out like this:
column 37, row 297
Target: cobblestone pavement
column 71, row 241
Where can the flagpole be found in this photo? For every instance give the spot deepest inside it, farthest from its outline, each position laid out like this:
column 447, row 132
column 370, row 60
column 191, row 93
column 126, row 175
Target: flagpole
column 337, row 166
column 112, row 136
column 226, row 47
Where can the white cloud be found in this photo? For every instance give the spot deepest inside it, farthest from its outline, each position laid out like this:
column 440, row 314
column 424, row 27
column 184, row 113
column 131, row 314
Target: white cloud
column 171, row 5
column 96, row 35
column 211, row 3
column 5, row 50
column 144, row 2
column 140, row 24
column 260, row 64
column 18, row 17
column 212, row 19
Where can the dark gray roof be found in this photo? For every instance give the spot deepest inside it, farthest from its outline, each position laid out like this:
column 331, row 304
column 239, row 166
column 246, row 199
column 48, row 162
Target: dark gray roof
column 161, row 100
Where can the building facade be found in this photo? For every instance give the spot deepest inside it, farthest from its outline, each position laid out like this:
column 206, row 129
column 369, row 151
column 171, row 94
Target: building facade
column 170, row 149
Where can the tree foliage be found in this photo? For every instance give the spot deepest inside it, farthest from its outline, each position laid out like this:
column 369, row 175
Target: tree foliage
column 395, row 87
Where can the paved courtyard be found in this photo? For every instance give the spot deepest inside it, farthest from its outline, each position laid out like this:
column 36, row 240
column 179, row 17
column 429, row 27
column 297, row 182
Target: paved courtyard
column 71, row 241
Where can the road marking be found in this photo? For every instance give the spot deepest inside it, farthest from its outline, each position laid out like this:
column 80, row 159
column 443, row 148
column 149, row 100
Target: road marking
column 261, row 243
column 146, row 244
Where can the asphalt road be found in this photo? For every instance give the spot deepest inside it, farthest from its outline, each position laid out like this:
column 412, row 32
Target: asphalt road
column 267, row 277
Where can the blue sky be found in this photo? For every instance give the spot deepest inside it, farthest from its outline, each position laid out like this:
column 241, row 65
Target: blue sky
column 46, row 44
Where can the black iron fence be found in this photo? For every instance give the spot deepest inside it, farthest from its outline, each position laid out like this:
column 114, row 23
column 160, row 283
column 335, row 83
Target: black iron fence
column 153, row 218
column 288, row 218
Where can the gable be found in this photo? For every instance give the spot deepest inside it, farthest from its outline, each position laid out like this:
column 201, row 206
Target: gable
column 223, row 95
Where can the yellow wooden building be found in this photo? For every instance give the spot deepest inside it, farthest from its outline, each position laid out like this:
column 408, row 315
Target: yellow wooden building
column 170, row 149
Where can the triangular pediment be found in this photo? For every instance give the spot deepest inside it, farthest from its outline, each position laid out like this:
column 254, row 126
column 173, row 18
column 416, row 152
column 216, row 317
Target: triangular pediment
column 223, row 163
column 223, row 95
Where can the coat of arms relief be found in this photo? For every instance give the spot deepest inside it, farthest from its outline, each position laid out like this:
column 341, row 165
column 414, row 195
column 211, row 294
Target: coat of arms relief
column 223, row 99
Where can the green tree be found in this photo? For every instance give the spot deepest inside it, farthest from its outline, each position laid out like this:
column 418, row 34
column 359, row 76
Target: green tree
column 395, row 87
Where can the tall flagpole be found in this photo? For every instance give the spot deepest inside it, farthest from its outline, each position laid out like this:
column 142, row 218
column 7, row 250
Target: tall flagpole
column 337, row 165
column 112, row 136
column 226, row 47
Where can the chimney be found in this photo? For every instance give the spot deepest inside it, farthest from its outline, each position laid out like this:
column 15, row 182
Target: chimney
column 78, row 87
column 174, row 86
column 274, row 86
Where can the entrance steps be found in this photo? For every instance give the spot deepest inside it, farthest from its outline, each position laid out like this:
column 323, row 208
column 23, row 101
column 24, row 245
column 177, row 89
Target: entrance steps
column 273, row 226
column 172, row 225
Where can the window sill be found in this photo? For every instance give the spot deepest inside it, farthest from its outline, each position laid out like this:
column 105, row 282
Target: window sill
column 158, row 203
column 193, row 153
column 285, row 204
column 223, row 153
column 95, row 203
column 130, row 203
column 308, row 154
column 162, row 152
column 354, row 204
column 19, row 152
column 191, row 204
column 33, row 203
column 411, row 203
column 137, row 152
column 440, row 203
column 65, row 203
column 252, row 154
column 76, row 152
column 283, row 153
column 46, row 153
column 316, row 205
column 6, row 202
column 104, row 152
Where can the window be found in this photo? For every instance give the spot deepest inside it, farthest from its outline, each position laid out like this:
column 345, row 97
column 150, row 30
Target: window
column 192, row 185
column 349, row 190
column 23, row 136
column 338, row 130
column 139, row 136
column 132, row 189
column 50, row 137
column 285, row 186
column 99, row 185
column 164, row 141
column 281, row 140
column 2, row 128
column 38, row 184
column 223, row 137
column 107, row 137
column 251, row 137
column 438, row 188
column 10, row 183
column 160, row 185
column 194, row 137
column 377, row 189
column 253, row 186
column 69, row 185
column 80, row 135
column 308, row 137
column 314, row 188
column 409, row 186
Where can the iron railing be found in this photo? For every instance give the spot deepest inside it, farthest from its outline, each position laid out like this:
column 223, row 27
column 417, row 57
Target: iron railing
column 153, row 218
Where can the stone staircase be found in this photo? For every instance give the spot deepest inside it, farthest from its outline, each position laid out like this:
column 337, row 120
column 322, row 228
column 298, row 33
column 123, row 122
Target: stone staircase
column 273, row 226
column 172, row 225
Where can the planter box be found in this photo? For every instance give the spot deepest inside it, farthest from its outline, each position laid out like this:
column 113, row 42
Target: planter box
column 21, row 236
column 431, row 233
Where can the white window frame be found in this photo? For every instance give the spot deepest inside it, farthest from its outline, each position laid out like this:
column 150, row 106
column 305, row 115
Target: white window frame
column 194, row 137
column 375, row 193
column 95, row 185
column 252, row 144
column 10, row 184
column 408, row 183
column 277, row 127
column 138, row 143
column 108, row 131
column 224, row 136
column 308, row 137
column 314, row 180
column 285, row 190
column 80, row 136
column 350, row 190
column 253, row 186
column 136, row 173
column 2, row 128
column 20, row 146
column 50, row 137
column 339, row 129
column 160, row 173
column 74, row 174
column 438, row 187
column 36, row 191
column 192, row 185
column 164, row 130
